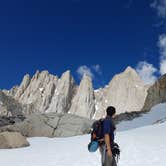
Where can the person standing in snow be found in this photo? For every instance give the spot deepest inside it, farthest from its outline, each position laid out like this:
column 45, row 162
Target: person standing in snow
column 106, row 147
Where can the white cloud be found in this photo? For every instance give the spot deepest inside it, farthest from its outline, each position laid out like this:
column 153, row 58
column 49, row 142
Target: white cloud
column 163, row 67
column 162, row 46
column 97, row 69
column 160, row 7
column 85, row 70
column 94, row 71
column 147, row 72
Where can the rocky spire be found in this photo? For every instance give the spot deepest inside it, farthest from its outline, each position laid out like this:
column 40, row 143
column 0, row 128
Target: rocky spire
column 83, row 103
column 25, row 82
column 63, row 94
column 38, row 91
column 46, row 93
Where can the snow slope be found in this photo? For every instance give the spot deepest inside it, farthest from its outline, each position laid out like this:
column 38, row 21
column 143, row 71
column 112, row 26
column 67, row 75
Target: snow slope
column 144, row 146
column 157, row 114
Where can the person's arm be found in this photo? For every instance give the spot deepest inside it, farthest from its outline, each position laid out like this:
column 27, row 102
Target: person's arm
column 108, row 144
column 107, row 130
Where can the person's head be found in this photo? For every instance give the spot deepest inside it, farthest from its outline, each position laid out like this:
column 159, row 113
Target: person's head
column 111, row 111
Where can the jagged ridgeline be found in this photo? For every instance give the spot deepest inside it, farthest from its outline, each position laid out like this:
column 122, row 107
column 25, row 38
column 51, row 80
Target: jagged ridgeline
column 44, row 93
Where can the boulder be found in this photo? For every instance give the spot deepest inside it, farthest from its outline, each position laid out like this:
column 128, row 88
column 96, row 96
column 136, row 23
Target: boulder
column 12, row 140
column 51, row 125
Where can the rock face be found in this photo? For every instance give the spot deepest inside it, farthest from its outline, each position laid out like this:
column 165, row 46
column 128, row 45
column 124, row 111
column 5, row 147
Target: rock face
column 64, row 92
column 83, row 103
column 12, row 140
column 25, row 82
column 11, row 92
column 9, row 106
column 51, row 125
column 37, row 91
column 126, row 92
column 10, row 120
column 100, row 102
column 156, row 94
column 45, row 93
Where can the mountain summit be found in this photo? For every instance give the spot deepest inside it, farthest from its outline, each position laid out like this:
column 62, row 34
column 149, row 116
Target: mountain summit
column 126, row 91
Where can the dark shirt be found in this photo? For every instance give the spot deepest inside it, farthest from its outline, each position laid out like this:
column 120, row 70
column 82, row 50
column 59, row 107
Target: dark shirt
column 109, row 128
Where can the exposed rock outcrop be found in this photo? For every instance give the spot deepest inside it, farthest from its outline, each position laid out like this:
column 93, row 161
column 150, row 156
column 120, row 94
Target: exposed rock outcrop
column 64, row 92
column 100, row 102
column 25, row 82
column 38, row 91
column 9, row 106
column 51, row 125
column 12, row 140
column 126, row 92
column 11, row 92
column 156, row 94
column 44, row 92
column 10, row 120
column 83, row 103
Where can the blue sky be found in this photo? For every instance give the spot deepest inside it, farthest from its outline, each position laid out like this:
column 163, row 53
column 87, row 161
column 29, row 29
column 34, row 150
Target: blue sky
column 103, row 37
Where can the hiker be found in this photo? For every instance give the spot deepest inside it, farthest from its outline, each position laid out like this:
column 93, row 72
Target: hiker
column 107, row 144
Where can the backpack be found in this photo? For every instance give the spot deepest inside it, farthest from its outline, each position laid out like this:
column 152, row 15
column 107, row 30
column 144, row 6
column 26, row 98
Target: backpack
column 97, row 130
column 96, row 135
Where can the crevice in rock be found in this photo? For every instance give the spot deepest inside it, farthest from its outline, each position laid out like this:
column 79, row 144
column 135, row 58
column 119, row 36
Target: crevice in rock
column 53, row 127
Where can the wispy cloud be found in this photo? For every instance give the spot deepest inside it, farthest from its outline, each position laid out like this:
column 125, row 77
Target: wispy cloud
column 160, row 7
column 91, row 71
column 147, row 72
column 97, row 69
column 95, row 72
column 84, row 70
column 162, row 47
